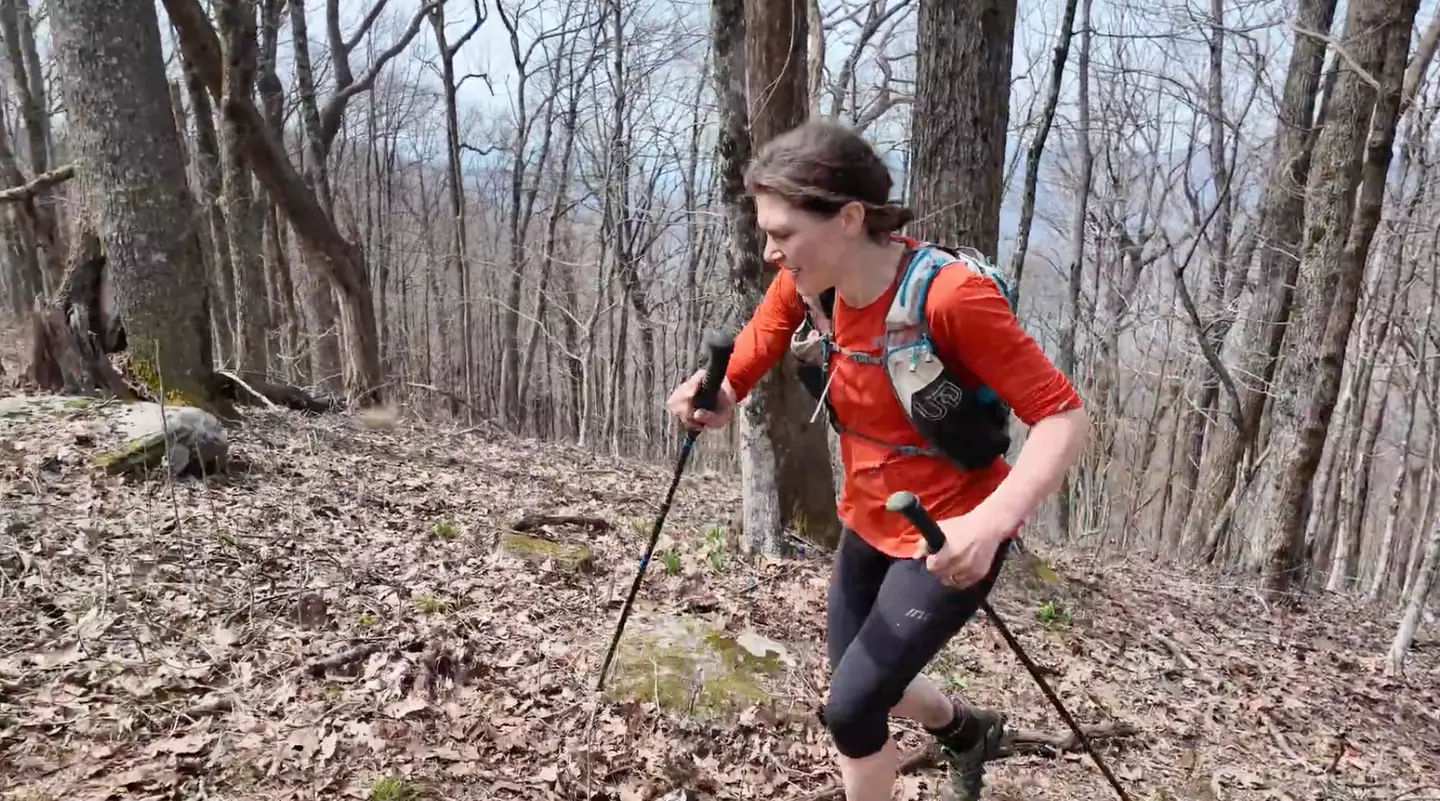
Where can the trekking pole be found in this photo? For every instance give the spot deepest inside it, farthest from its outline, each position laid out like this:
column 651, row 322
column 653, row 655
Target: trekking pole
column 719, row 346
column 907, row 504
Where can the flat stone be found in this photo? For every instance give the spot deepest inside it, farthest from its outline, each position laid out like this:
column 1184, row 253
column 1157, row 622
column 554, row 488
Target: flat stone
column 690, row 667
column 537, row 550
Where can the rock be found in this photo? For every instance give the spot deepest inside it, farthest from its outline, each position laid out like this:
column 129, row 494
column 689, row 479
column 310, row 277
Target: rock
column 569, row 555
column 690, row 667
column 29, row 406
column 195, row 441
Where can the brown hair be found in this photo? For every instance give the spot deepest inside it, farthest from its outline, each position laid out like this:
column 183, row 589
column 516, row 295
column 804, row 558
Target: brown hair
column 820, row 166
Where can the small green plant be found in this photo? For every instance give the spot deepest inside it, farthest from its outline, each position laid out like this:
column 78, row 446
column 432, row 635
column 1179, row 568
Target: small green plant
column 671, row 560
column 1052, row 613
column 715, row 548
column 368, row 619
column 393, row 788
column 430, row 604
column 447, row 529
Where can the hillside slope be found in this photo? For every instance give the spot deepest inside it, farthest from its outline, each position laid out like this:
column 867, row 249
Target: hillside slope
column 351, row 614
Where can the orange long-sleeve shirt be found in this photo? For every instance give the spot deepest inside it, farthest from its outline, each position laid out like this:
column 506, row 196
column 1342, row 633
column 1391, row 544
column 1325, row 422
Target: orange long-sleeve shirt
column 976, row 335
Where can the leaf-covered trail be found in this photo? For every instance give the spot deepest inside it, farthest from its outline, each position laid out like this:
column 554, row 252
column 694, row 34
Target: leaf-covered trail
column 337, row 621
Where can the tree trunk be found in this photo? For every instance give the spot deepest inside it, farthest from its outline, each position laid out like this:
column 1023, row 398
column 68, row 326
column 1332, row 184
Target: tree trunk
column 961, row 113
column 236, row 20
column 455, row 184
column 1334, row 265
column 341, row 261
column 122, row 130
column 1282, row 216
column 1415, row 602
column 1064, row 501
column 1037, row 146
column 764, row 48
column 17, row 26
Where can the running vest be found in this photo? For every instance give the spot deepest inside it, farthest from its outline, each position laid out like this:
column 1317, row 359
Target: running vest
column 968, row 427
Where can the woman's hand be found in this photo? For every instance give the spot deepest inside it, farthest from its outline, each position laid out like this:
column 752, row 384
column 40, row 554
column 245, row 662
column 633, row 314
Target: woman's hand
column 682, row 404
column 970, row 544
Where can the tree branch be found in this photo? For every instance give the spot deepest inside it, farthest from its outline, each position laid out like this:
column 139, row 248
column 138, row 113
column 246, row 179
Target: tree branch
column 38, row 184
column 334, row 110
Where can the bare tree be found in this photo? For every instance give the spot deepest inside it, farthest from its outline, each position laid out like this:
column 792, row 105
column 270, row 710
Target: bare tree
column 1352, row 159
column 123, row 132
column 957, row 166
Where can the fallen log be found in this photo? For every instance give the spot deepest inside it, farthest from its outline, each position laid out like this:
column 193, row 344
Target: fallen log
column 244, row 392
column 532, row 522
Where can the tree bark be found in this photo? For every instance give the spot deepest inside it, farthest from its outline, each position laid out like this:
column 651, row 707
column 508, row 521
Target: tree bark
column 961, row 115
column 1282, row 216
column 236, row 20
column 341, row 260
column 17, row 26
column 122, row 130
column 1341, row 227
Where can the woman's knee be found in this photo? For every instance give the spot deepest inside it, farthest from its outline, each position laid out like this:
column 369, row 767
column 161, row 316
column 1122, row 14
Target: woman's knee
column 859, row 726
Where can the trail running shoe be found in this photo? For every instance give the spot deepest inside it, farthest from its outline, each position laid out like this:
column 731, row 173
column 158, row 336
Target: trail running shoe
column 966, row 759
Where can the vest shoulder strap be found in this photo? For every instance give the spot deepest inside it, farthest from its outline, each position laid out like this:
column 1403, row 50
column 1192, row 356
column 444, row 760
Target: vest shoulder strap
column 907, row 310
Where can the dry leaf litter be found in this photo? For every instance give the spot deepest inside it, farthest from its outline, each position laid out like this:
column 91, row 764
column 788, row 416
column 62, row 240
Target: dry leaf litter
column 350, row 613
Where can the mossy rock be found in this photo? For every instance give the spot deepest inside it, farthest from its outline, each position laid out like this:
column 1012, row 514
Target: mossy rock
column 689, row 667
column 568, row 555
column 187, row 440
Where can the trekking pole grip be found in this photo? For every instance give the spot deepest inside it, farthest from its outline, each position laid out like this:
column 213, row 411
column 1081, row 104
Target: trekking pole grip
column 907, row 504
column 719, row 347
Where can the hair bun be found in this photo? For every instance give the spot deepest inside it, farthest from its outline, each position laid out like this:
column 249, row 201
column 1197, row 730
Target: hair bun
column 903, row 216
column 887, row 218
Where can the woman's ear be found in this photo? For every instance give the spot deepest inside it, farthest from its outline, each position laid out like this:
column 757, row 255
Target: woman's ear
column 852, row 217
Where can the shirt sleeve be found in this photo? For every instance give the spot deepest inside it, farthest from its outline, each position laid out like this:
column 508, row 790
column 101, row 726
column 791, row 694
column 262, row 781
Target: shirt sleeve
column 766, row 336
column 971, row 323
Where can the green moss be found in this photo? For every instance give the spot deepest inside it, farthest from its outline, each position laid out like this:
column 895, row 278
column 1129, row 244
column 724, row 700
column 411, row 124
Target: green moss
column 144, row 368
column 690, row 668
column 534, row 549
column 134, row 455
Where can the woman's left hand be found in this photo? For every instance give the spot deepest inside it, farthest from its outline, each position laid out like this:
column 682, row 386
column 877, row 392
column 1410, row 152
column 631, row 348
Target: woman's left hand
column 970, row 544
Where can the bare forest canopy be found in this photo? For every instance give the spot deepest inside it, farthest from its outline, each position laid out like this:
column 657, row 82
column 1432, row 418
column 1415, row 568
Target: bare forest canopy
column 1220, row 216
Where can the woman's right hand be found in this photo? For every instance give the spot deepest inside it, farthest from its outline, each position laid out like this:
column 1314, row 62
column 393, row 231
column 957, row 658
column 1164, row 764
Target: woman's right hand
column 682, row 404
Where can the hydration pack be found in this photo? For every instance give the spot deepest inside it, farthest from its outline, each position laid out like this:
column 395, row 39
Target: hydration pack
column 969, row 427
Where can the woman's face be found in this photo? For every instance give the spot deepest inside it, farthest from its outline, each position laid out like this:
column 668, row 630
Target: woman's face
column 811, row 246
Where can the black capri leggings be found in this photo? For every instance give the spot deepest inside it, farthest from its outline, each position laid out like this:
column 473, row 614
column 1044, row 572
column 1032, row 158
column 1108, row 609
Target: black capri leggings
column 887, row 619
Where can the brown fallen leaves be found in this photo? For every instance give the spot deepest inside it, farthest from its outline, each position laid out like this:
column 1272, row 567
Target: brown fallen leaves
column 339, row 623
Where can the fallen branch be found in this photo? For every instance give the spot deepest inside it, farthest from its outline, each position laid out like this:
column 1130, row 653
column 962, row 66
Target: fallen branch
column 269, row 404
column 1017, row 742
column 344, row 658
column 1177, row 651
column 532, row 522
column 273, row 395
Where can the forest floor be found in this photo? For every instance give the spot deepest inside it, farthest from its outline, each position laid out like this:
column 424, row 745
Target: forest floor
column 346, row 615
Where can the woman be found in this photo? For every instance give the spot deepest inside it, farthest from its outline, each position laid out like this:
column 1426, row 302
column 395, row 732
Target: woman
column 821, row 196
